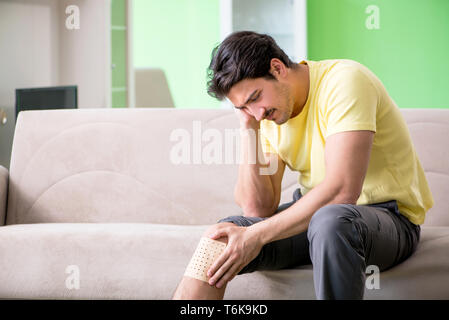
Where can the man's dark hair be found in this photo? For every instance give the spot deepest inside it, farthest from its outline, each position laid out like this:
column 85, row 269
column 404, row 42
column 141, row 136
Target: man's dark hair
column 242, row 55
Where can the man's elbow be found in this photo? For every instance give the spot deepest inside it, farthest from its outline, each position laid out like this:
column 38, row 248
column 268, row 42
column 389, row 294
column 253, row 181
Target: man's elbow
column 346, row 198
column 252, row 208
column 257, row 211
column 256, row 207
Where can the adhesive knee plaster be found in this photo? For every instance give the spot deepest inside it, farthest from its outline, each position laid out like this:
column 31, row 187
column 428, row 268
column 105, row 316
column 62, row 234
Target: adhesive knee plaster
column 206, row 253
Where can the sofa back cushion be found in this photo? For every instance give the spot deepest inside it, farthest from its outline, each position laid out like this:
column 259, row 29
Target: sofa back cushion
column 174, row 166
column 429, row 129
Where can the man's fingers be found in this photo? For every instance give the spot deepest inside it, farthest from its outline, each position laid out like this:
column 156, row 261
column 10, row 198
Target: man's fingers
column 217, row 264
column 222, row 270
column 228, row 276
column 219, row 232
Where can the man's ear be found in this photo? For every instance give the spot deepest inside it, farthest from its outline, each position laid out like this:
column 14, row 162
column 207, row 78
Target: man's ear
column 277, row 68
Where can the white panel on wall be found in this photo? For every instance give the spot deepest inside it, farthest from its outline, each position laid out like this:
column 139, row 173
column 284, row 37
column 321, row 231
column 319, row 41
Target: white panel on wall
column 266, row 16
column 84, row 52
column 284, row 20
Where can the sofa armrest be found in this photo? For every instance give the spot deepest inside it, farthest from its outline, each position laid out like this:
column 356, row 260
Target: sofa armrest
column 4, row 177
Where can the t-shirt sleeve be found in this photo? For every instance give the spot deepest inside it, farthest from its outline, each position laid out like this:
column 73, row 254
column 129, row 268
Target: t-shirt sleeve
column 266, row 145
column 351, row 103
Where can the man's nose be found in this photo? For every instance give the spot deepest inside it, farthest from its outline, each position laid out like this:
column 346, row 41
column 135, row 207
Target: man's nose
column 260, row 114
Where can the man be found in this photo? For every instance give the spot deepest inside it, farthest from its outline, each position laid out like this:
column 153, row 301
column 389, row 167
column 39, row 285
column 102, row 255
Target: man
column 363, row 191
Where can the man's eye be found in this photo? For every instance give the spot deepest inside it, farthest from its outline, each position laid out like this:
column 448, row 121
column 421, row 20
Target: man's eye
column 255, row 98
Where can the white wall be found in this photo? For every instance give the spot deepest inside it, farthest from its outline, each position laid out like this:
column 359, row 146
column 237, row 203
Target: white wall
column 29, row 56
column 37, row 50
column 29, row 46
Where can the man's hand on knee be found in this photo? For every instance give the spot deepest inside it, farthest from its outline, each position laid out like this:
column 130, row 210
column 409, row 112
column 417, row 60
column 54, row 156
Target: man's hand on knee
column 243, row 246
column 216, row 227
column 205, row 254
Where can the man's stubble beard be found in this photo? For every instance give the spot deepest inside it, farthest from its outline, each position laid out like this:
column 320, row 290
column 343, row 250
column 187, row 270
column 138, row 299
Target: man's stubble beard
column 288, row 109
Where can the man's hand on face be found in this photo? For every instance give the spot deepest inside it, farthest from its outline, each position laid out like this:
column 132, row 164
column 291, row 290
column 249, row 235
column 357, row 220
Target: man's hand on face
column 247, row 121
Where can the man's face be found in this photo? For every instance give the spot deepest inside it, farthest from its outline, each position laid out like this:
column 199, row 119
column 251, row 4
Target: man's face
column 263, row 99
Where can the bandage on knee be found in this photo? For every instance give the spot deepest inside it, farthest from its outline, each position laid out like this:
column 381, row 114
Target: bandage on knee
column 206, row 253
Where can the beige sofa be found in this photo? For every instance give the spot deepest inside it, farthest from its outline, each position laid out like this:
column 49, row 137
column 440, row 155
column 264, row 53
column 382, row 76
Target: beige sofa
column 95, row 206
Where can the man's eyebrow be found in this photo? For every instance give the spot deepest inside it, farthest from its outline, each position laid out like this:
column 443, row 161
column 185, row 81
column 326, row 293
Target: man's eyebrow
column 247, row 100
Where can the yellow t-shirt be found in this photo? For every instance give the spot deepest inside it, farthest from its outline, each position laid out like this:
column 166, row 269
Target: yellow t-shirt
column 343, row 96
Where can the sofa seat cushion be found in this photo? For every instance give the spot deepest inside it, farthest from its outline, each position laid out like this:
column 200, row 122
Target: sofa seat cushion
column 425, row 275
column 115, row 260
column 147, row 261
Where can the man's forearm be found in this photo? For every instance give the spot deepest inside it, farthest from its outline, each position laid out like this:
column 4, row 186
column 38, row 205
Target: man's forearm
column 254, row 191
column 296, row 219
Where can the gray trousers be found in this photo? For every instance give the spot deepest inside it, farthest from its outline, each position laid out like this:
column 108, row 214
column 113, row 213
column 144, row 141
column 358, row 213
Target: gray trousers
column 341, row 241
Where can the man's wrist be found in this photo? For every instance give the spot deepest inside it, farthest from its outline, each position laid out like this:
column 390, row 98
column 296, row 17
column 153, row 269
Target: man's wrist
column 259, row 231
column 250, row 125
column 251, row 131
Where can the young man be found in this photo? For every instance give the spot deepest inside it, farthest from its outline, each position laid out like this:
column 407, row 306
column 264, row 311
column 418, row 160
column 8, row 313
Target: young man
column 363, row 191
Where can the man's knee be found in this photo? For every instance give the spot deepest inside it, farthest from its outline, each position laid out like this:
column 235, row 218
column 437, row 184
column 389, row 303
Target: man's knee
column 206, row 252
column 332, row 221
column 242, row 221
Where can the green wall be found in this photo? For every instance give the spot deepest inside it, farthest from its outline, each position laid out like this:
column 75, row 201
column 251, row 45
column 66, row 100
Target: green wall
column 118, row 54
column 409, row 52
column 178, row 36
